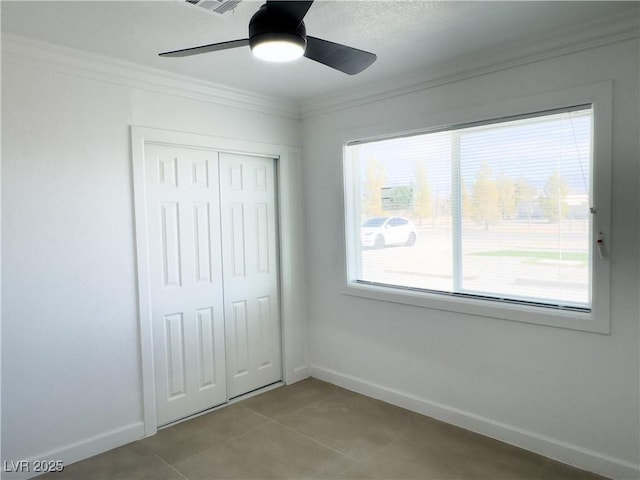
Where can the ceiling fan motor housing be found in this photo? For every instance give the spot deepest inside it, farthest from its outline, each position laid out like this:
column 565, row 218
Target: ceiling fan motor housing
column 270, row 25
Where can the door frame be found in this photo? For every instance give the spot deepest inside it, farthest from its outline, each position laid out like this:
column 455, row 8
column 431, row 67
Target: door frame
column 290, row 240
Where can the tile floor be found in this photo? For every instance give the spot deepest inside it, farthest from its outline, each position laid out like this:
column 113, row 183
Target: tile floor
column 315, row 430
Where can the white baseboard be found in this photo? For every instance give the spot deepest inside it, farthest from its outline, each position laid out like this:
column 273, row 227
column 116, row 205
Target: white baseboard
column 298, row 374
column 549, row 447
column 74, row 452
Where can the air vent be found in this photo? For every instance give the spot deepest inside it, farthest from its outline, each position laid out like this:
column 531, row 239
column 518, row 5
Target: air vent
column 217, row 6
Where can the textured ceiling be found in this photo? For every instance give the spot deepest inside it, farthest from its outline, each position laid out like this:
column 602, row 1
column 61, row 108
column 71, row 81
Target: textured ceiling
column 407, row 36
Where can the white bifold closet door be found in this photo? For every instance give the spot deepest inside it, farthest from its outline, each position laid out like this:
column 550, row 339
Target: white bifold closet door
column 211, row 227
column 249, row 246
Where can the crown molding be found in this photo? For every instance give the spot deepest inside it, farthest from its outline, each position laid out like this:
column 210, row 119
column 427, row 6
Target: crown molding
column 42, row 55
column 610, row 30
column 68, row 61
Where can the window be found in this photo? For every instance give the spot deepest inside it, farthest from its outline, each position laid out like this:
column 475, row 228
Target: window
column 497, row 214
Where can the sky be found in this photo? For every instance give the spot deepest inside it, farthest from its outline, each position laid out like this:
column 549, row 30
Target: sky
column 531, row 147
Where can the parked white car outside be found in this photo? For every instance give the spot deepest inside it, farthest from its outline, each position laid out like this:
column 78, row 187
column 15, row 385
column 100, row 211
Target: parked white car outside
column 378, row 232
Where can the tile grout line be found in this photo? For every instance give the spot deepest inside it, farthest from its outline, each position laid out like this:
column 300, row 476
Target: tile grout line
column 244, row 434
column 335, row 389
column 304, row 434
column 333, row 393
column 357, row 462
column 218, row 444
column 169, row 465
column 270, row 421
column 319, row 442
column 260, row 414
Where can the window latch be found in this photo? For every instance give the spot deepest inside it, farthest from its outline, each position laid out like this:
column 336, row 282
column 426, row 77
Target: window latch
column 600, row 245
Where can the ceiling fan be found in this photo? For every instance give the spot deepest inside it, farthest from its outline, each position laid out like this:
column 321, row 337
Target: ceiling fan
column 277, row 34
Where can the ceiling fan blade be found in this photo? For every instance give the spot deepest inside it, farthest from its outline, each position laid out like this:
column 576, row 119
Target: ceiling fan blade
column 214, row 47
column 292, row 8
column 335, row 55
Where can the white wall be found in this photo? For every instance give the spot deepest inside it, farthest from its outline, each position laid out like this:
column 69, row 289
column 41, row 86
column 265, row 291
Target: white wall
column 568, row 394
column 70, row 347
column 71, row 366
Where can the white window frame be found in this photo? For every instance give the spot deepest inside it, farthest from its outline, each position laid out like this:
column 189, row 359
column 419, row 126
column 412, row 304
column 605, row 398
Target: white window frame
column 598, row 318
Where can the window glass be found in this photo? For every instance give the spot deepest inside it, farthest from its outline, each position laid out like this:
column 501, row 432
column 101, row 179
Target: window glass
column 498, row 210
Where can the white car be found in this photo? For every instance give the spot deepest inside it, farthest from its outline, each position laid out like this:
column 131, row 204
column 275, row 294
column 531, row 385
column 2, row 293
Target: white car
column 378, row 232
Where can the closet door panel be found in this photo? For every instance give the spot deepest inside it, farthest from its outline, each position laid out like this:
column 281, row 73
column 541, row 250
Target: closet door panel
column 185, row 270
column 249, row 245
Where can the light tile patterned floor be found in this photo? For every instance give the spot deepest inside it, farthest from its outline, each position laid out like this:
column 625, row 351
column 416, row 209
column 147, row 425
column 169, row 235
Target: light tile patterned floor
column 315, row 430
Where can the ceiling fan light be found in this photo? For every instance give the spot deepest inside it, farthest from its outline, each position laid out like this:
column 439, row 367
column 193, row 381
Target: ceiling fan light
column 278, row 51
column 278, row 47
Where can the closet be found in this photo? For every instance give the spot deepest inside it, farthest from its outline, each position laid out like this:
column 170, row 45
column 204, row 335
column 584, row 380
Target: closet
column 211, row 228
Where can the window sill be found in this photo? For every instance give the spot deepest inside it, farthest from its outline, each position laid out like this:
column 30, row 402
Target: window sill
column 583, row 321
